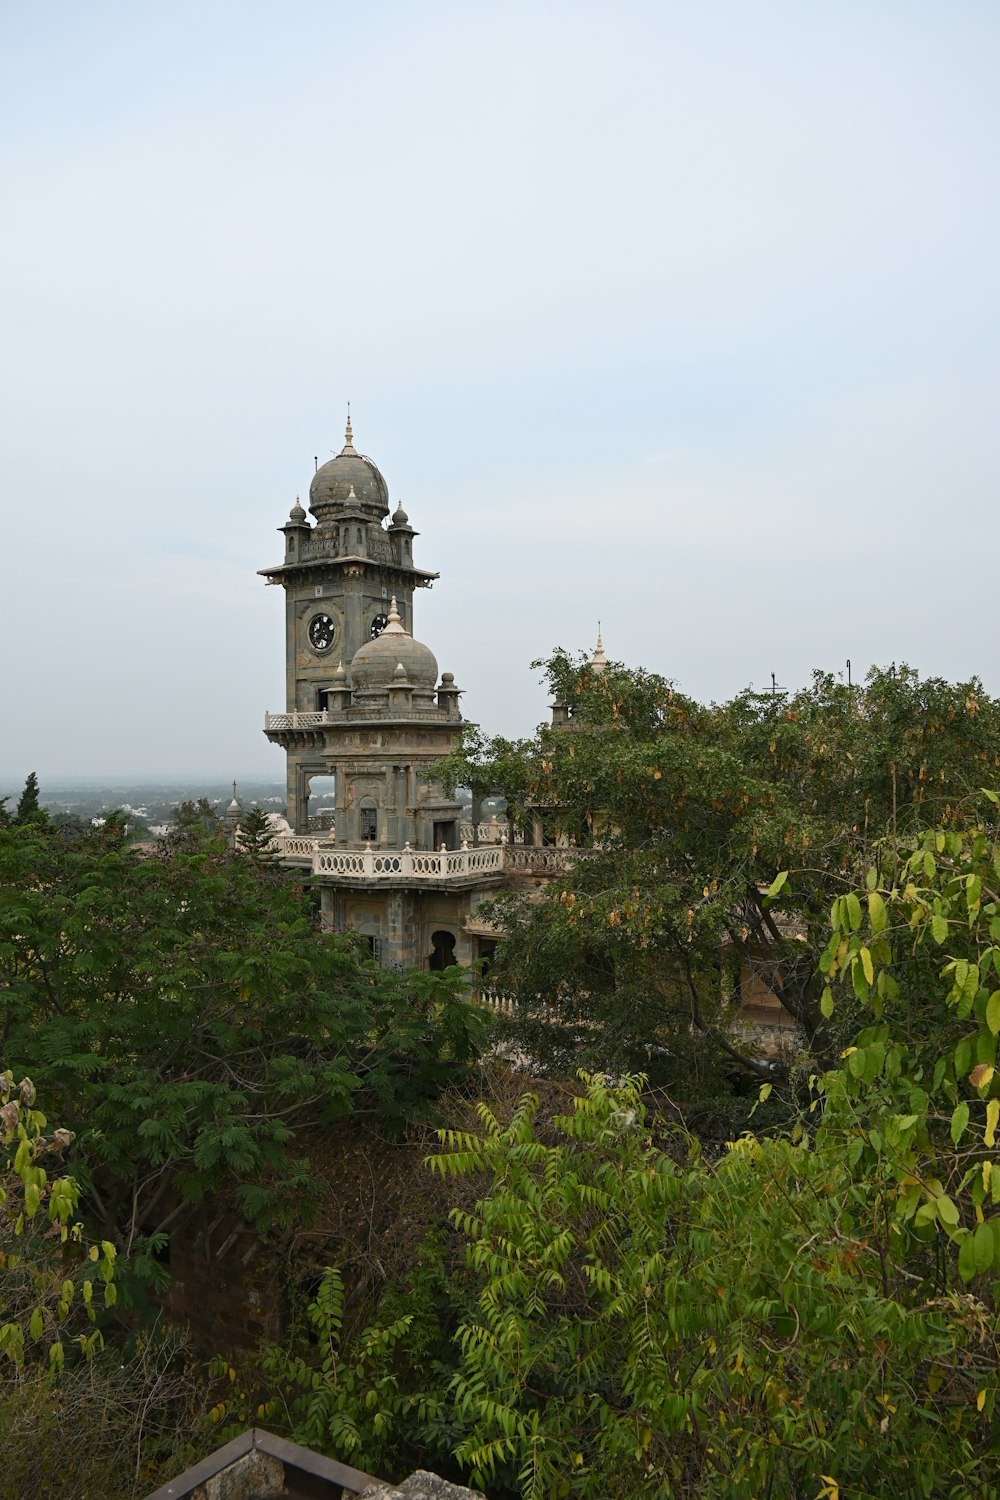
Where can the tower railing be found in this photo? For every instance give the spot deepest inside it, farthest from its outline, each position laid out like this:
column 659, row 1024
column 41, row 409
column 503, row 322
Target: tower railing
column 408, row 863
column 299, row 719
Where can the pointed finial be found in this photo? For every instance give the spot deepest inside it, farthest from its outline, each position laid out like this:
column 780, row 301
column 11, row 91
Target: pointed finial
column 598, row 661
column 348, row 434
column 395, row 624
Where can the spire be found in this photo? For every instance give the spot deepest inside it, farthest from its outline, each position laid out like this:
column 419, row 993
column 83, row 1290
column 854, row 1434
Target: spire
column 234, row 806
column 598, row 661
column 395, row 625
column 348, row 435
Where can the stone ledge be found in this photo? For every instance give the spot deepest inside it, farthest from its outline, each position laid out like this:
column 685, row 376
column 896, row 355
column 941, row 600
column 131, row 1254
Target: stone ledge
column 419, row 1486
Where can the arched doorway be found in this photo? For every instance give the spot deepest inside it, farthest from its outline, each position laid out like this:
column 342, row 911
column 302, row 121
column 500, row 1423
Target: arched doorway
column 442, row 950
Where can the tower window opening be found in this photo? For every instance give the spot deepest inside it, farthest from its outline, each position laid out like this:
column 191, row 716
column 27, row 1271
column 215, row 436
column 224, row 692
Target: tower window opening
column 369, row 824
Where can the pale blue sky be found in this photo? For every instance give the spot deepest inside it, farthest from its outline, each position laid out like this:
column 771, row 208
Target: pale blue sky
column 683, row 316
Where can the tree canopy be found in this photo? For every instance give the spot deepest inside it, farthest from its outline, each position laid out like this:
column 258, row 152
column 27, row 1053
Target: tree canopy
column 184, row 1014
column 684, row 813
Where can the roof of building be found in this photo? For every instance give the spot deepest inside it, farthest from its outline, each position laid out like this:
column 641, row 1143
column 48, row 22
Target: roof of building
column 273, row 1467
column 374, row 664
column 350, row 478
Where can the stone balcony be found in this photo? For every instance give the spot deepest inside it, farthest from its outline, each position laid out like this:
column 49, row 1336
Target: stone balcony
column 407, row 866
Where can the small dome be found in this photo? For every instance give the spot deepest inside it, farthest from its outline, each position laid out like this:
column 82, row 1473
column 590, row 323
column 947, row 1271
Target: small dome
column 400, row 673
column 334, row 482
column 376, row 663
column 399, row 516
column 297, row 515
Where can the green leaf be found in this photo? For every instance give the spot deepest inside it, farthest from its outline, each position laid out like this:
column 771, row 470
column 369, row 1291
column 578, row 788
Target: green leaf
column 826, row 1002
column 876, row 912
column 983, row 1245
column 993, row 1012
column 946, row 1211
column 939, row 928
column 858, row 978
column 777, row 884
column 866, row 964
column 853, row 911
column 967, row 1258
column 959, row 1120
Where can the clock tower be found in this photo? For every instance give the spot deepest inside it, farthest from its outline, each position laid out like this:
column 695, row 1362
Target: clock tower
column 342, row 574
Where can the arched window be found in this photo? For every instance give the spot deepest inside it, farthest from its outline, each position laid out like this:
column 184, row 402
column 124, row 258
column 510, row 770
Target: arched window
column 442, row 950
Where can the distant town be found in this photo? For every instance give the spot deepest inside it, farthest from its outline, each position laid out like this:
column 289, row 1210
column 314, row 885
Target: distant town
column 150, row 804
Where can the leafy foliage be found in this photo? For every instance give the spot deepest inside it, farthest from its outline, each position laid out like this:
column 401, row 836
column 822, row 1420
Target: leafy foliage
column 660, row 1326
column 50, row 1282
column 371, row 1391
column 683, row 814
column 187, row 1016
column 919, row 1096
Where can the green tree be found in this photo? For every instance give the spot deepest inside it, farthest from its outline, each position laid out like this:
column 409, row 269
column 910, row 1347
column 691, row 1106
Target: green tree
column 187, row 1017
column 190, row 817
column 51, row 1282
column 688, row 812
column 256, row 839
column 27, row 804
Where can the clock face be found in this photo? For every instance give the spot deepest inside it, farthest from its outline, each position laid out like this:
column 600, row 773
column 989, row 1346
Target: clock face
column 321, row 632
column 378, row 625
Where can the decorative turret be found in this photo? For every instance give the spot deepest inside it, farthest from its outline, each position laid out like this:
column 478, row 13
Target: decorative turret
column 448, row 695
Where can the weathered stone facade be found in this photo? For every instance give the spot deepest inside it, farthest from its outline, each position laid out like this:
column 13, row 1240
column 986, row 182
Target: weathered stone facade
column 364, row 705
